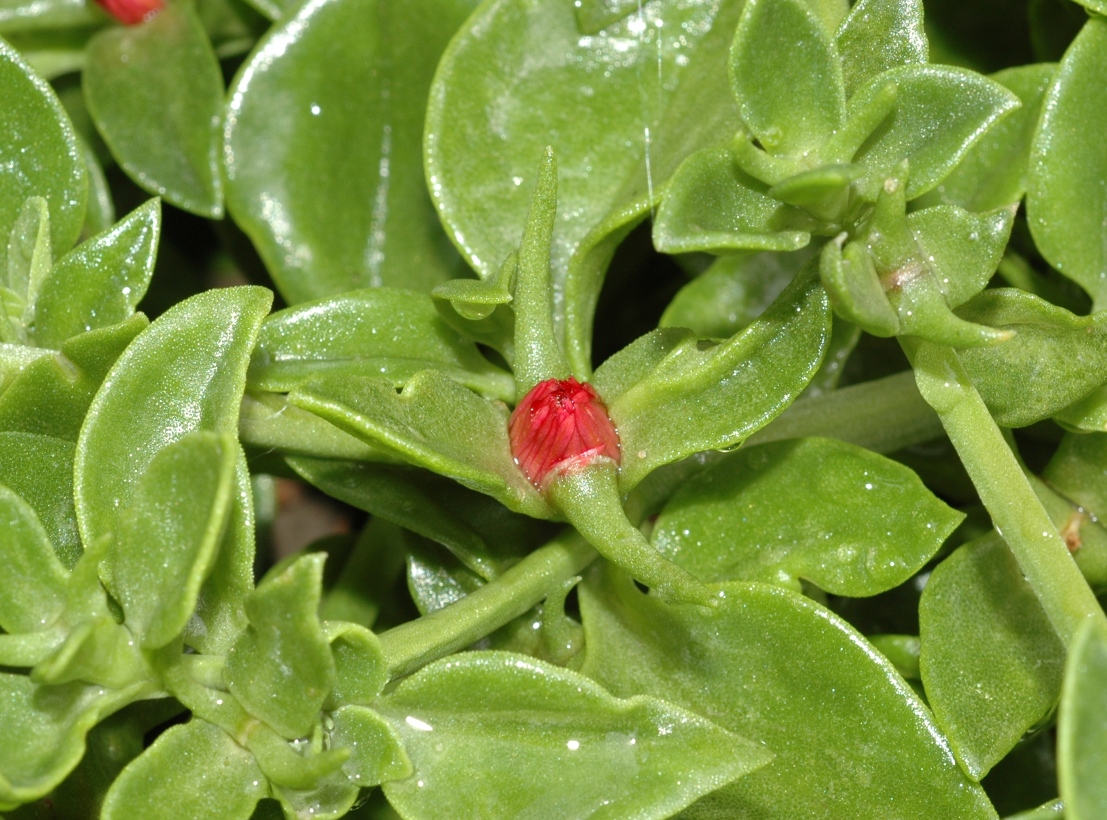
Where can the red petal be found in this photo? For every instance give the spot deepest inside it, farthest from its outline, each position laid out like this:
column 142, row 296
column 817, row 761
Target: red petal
column 131, row 12
column 559, row 425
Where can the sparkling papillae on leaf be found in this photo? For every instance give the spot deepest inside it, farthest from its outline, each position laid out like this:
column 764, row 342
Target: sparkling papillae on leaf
column 559, row 425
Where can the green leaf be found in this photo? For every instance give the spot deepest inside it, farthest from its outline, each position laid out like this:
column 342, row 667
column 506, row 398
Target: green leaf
column 879, row 35
column 786, row 74
column 499, row 734
column 379, row 332
column 1081, row 531
column 281, row 668
column 621, row 109
column 732, row 292
column 849, row 520
column 185, row 372
column 480, row 531
column 851, row 282
column 434, row 423
column 40, row 469
column 365, row 587
column 1065, row 206
column 962, row 249
column 377, row 750
column 191, row 772
column 169, row 533
column 940, row 112
column 710, row 204
column 44, row 732
column 52, row 394
column 220, row 612
column 155, row 92
column 775, row 666
column 1078, row 470
column 97, row 650
column 994, row 173
column 435, row 578
column 324, row 167
column 32, row 586
column 39, row 156
column 360, row 668
column 1054, row 358
column 20, row 15
column 268, row 422
column 538, row 356
column 1081, row 732
column 100, row 281
column 990, row 660
column 29, row 257
column 691, row 397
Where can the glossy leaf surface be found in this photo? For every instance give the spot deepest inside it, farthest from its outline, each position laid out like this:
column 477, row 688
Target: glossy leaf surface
column 44, row 731
column 40, row 469
column 32, row 588
column 787, row 77
column 382, row 332
column 712, row 205
column 940, row 112
column 1077, row 471
column 852, row 522
column 155, row 91
column 879, row 35
column 731, row 293
column 1082, row 729
column 990, row 660
column 144, row 404
column 633, row 100
column 169, row 533
column 730, row 389
column 778, row 668
column 1065, row 205
column 39, row 156
column 479, row 530
column 52, row 394
column 324, row 167
column 498, row 733
column 205, row 771
column 962, row 249
column 994, row 172
column 99, row 282
column 434, row 423
column 281, row 669
column 1054, row 359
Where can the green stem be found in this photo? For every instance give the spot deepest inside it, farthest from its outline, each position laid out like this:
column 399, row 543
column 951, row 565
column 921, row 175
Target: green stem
column 416, row 643
column 589, row 499
column 1017, row 513
column 883, row 415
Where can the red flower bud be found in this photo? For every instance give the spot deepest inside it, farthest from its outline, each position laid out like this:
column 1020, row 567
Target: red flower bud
column 131, row 12
column 558, row 426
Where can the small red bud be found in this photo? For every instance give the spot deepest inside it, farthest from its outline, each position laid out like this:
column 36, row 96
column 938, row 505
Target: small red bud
column 131, row 12
column 558, row 426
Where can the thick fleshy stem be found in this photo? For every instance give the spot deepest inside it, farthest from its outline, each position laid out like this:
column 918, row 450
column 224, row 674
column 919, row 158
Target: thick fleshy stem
column 589, row 498
column 1016, row 511
column 416, row 643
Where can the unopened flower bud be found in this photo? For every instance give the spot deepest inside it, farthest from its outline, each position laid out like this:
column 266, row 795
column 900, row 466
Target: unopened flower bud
column 559, row 426
column 131, row 12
